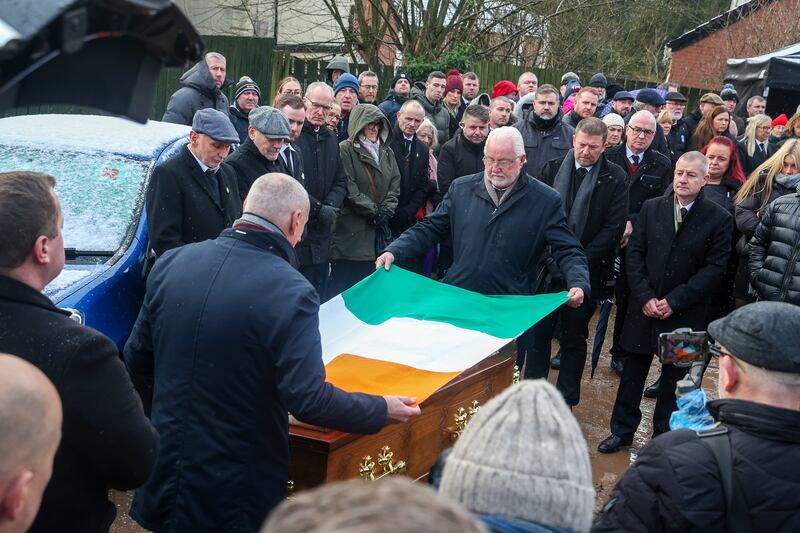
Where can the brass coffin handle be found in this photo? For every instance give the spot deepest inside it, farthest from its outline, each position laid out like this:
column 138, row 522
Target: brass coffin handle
column 516, row 376
column 461, row 418
column 366, row 469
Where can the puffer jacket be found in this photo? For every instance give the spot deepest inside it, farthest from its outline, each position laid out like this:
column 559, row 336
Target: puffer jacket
column 545, row 140
column 240, row 121
column 354, row 232
column 775, row 252
column 391, row 106
column 198, row 92
column 436, row 113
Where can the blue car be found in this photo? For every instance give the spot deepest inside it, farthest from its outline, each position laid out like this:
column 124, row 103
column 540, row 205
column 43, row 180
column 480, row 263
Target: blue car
column 102, row 166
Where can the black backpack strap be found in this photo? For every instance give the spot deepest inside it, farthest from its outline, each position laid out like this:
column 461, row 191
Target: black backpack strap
column 737, row 517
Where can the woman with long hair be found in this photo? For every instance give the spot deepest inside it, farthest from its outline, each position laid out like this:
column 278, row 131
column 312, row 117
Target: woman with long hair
column 426, row 133
column 288, row 85
column 723, row 180
column 792, row 130
column 775, row 177
column 753, row 148
column 713, row 124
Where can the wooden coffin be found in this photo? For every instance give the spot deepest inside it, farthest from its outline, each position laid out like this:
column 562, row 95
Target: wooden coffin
column 321, row 455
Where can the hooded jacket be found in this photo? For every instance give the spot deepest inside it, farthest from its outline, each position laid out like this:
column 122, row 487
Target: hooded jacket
column 436, row 113
column 337, row 63
column 240, row 121
column 198, row 92
column 354, row 233
column 392, row 105
column 545, row 140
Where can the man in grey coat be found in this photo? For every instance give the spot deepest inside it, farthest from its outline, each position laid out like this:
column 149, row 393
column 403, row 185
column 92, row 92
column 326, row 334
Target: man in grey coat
column 202, row 86
column 545, row 135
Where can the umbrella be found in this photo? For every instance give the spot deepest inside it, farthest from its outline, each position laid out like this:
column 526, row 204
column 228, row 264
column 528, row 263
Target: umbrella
column 600, row 332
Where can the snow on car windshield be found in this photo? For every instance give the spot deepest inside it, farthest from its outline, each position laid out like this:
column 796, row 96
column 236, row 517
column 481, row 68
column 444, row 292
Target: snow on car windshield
column 98, row 191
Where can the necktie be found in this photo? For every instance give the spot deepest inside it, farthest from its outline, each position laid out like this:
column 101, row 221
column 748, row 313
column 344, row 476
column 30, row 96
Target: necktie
column 684, row 212
column 580, row 173
column 408, row 147
column 287, row 158
column 635, row 159
column 760, row 148
column 213, row 183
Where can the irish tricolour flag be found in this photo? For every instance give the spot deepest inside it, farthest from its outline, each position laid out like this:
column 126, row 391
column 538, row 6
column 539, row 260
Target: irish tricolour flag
column 400, row 333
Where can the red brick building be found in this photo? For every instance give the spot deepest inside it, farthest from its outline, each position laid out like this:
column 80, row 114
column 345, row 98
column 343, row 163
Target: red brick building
column 753, row 28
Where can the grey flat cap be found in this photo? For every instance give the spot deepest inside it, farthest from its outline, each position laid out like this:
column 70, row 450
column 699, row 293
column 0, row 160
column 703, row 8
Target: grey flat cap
column 216, row 125
column 270, row 122
column 764, row 334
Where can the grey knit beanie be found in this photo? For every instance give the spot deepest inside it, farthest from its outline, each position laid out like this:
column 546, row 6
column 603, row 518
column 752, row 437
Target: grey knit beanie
column 523, row 456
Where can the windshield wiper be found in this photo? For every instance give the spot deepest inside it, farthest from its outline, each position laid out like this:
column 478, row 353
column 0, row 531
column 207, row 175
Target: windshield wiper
column 74, row 253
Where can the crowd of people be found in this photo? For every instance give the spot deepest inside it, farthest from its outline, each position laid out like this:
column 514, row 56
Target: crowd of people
column 683, row 219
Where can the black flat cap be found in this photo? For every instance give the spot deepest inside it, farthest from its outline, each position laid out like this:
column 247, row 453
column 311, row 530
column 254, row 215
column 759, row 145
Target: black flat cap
column 764, row 334
column 651, row 97
column 675, row 96
column 216, row 125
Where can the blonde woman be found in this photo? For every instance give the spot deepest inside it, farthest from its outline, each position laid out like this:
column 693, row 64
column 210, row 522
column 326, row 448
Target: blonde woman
column 288, row 85
column 754, row 149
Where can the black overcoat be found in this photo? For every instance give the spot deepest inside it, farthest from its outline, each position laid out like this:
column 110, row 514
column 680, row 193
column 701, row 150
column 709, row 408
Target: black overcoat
column 651, row 179
column 415, row 184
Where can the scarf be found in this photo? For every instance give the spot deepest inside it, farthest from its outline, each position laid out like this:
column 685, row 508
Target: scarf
column 373, row 148
column 492, row 192
column 578, row 209
column 789, row 182
column 253, row 221
column 544, row 124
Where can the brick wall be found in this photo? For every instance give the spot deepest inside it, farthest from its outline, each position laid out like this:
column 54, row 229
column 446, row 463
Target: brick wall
column 701, row 64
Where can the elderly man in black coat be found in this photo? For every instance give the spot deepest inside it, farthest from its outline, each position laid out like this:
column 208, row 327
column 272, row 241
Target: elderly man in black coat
column 595, row 196
column 107, row 442
column 191, row 197
column 676, row 257
column 500, row 222
column 242, row 353
column 412, row 160
column 325, row 182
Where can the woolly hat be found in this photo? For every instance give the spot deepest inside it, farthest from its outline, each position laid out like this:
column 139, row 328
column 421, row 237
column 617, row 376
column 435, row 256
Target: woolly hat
column 245, row 84
column 454, row 81
column 344, row 81
column 598, row 80
column 571, row 88
column 523, row 456
column 400, row 76
column 612, row 119
column 729, row 93
column 569, row 76
column 504, row 88
column 780, row 120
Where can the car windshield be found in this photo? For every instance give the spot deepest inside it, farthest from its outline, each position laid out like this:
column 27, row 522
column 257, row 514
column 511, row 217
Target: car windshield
column 98, row 192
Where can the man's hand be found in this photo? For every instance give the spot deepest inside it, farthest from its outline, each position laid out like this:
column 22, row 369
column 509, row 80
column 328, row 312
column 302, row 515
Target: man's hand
column 664, row 308
column 650, row 309
column 575, row 296
column 398, row 409
column 626, row 234
column 385, row 260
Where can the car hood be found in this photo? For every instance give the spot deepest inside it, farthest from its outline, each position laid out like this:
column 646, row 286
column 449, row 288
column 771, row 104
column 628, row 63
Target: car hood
column 72, row 278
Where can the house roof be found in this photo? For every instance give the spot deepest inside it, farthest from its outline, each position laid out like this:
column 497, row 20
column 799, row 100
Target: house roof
column 723, row 20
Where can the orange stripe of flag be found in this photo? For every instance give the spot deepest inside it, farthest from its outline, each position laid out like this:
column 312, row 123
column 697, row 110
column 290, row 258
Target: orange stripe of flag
column 354, row 373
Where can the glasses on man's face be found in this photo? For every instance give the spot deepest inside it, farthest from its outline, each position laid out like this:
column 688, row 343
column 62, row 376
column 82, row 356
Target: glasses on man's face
column 370, row 87
column 505, row 164
column 317, row 105
column 637, row 132
column 765, row 128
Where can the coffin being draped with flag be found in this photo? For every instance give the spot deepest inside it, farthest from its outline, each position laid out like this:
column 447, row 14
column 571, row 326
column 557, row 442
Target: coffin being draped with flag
column 399, row 333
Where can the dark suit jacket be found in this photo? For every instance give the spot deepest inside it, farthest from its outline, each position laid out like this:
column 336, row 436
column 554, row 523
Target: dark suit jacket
column 650, row 180
column 180, row 207
column 684, row 267
column 750, row 163
column 107, row 442
column 415, row 185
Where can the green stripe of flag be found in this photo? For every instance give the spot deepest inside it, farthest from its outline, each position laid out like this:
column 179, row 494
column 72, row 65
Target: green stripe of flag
column 405, row 294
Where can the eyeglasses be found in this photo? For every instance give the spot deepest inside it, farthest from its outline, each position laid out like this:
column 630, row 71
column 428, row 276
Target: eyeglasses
column 370, row 87
column 377, row 124
column 640, row 131
column 317, row 105
column 765, row 128
column 286, row 92
column 505, row 164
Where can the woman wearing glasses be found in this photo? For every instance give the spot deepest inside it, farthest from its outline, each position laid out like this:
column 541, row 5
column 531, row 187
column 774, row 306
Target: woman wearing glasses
column 287, row 86
column 754, row 148
column 373, row 190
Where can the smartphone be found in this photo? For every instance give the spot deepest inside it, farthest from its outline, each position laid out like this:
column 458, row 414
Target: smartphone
column 682, row 347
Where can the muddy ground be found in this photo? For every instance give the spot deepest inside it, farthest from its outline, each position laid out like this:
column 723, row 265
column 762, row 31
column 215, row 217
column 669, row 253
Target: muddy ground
column 593, row 414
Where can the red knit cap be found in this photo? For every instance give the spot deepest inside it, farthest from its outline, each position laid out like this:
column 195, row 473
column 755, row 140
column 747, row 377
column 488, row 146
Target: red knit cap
column 780, row 120
column 454, row 81
column 504, row 88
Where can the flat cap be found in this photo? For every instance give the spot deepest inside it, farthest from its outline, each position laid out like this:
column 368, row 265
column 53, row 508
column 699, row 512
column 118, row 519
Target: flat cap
column 711, row 98
column 650, row 97
column 598, row 80
column 270, row 122
column 215, row 124
column 764, row 334
column 675, row 96
column 623, row 95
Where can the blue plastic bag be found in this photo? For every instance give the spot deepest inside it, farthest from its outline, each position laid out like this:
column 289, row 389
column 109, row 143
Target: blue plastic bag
column 692, row 412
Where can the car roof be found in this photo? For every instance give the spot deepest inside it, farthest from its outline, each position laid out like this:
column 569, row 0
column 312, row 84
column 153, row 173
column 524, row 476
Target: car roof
column 91, row 133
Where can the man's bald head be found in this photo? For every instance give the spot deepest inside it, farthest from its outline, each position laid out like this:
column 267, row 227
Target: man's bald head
column 30, row 430
column 280, row 199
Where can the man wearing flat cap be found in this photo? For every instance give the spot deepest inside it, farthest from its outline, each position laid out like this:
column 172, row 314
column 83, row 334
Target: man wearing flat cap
column 707, row 102
column 679, row 484
column 679, row 134
column 191, row 197
column 260, row 153
column 652, row 101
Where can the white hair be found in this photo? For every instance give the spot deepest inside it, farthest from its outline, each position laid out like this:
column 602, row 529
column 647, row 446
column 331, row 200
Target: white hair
column 275, row 197
column 216, row 55
column 317, row 85
column 510, row 133
column 427, row 124
column 643, row 113
column 696, row 158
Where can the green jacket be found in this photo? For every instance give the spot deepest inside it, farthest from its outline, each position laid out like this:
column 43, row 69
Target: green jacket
column 354, row 234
